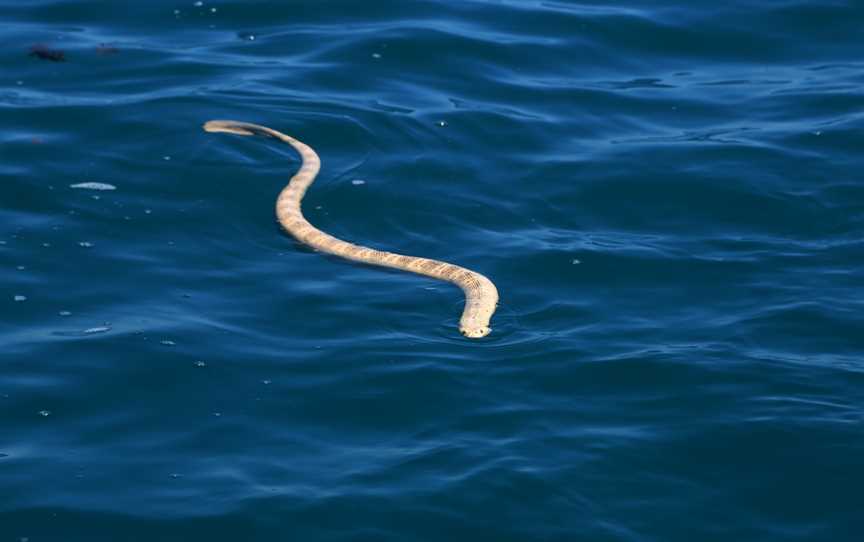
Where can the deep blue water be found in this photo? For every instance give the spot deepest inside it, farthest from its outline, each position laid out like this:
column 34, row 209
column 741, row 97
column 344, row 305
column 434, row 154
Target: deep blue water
column 669, row 196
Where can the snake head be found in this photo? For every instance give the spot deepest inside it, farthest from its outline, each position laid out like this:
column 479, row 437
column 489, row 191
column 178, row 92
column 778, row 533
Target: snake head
column 476, row 332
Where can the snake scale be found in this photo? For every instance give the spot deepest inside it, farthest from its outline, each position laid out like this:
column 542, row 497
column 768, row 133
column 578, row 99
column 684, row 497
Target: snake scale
column 481, row 296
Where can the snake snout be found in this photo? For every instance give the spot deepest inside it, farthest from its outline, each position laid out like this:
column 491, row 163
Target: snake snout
column 476, row 332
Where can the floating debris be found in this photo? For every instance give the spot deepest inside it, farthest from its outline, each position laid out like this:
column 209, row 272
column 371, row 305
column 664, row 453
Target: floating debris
column 20, row 298
column 82, row 333
column 44, row 53
column 94, row 186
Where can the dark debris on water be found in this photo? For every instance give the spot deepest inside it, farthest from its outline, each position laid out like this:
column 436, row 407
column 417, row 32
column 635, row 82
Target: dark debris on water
column 105, row 49
column 44, row 53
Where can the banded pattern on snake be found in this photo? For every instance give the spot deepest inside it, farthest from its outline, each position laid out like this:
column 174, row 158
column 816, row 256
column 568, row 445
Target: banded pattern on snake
column 481, row 296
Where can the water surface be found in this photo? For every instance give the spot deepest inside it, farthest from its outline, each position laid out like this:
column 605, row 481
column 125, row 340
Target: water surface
column 668, row 196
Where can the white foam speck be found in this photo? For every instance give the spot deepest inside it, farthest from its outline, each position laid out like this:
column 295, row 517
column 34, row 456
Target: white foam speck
column 98, row 329
column 94, row 186
column 20, row 298
column 358, row 182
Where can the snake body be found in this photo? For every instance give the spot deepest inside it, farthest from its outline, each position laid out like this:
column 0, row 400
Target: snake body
column 481, row 296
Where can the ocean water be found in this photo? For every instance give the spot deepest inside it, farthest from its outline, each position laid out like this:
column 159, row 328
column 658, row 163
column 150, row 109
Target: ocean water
column 668, row 195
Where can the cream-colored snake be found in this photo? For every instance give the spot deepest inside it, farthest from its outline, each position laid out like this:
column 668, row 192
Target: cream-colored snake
column 481, row 296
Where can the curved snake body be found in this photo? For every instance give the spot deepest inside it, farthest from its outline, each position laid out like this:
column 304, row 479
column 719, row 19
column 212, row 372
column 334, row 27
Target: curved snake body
column 481, row 296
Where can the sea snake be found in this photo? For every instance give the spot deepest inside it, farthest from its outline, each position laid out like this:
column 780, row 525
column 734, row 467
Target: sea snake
column 481, row 296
